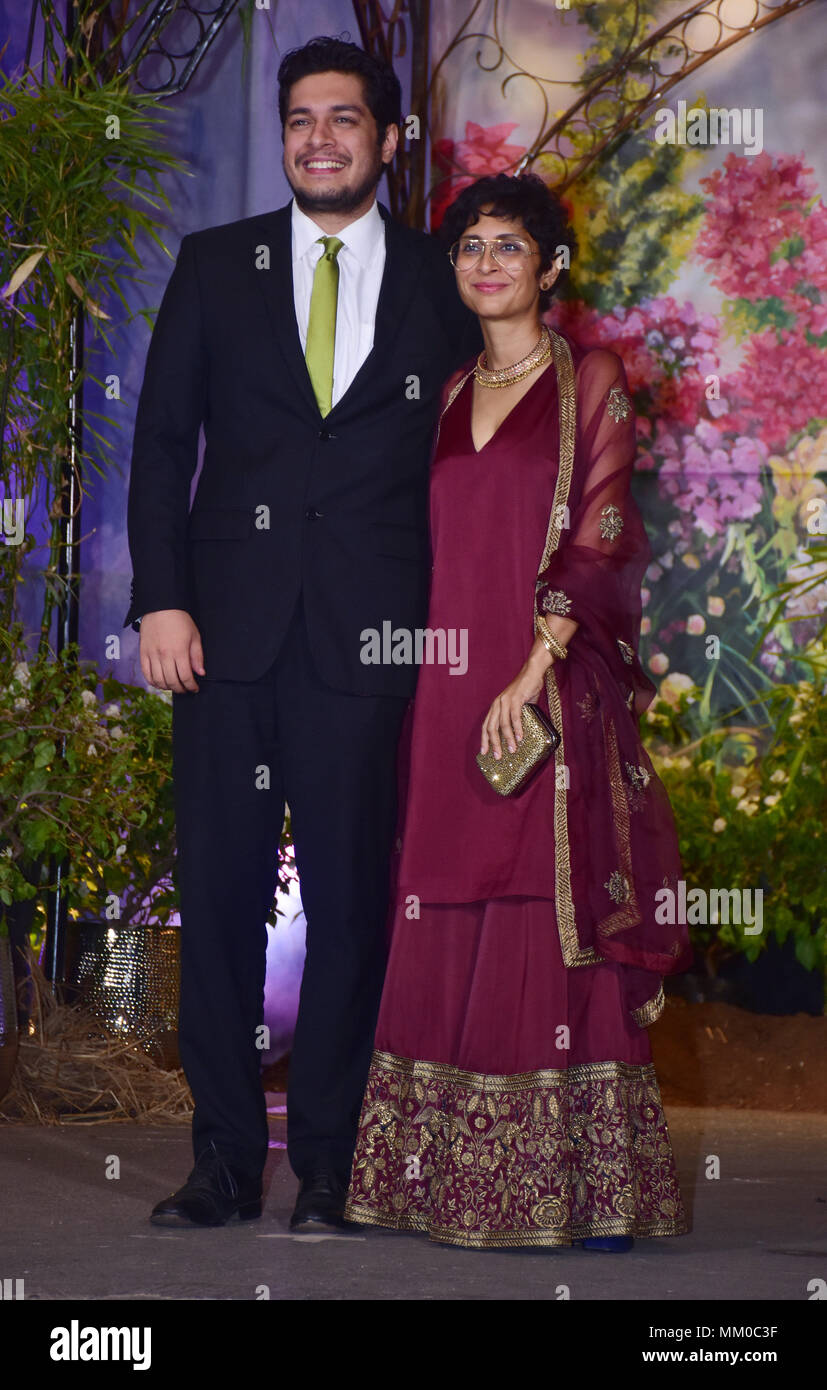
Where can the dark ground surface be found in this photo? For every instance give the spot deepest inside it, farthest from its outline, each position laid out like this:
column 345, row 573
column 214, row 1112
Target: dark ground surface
column 718, row 1055
column 759, row 1230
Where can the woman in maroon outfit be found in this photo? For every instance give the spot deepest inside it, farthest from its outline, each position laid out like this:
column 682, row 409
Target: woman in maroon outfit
column 511, row 1098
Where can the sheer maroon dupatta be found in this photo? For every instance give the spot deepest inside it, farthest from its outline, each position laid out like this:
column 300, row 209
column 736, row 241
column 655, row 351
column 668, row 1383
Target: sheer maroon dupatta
column 616, row 844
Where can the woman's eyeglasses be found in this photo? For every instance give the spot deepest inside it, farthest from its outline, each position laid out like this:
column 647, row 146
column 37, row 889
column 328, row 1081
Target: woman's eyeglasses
column 510, row 252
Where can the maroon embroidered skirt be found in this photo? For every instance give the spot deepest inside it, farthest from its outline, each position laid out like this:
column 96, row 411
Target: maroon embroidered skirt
column 510, row 1100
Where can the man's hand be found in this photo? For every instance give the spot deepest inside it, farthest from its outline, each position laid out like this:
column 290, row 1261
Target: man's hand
column 171, row 650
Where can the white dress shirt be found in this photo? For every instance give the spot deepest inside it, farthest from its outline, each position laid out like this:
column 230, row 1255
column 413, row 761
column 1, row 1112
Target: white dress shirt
column 361, row 262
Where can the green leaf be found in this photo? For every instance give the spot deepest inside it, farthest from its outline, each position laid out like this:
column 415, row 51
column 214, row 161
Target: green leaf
column 44, row 752
column 36, row 832
column 807, row 952
column 34, row 781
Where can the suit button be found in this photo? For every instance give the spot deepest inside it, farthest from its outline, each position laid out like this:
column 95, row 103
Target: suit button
column 324, row 434
column 312, row 514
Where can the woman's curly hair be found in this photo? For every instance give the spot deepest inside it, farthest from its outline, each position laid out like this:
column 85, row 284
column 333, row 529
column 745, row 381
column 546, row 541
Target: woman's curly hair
column 524, row 198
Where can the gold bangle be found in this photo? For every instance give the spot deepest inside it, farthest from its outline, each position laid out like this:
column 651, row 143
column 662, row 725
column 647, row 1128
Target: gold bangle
column 552, row 643
column 546, row 644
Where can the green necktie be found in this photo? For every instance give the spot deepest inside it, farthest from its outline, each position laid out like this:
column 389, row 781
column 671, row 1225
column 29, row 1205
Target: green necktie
column 321, row 324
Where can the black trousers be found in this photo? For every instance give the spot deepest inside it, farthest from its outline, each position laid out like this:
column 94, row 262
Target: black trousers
column 240, row 750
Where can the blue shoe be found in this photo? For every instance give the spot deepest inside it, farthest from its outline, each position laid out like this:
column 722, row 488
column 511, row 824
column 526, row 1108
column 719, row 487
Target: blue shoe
column 616, row 1243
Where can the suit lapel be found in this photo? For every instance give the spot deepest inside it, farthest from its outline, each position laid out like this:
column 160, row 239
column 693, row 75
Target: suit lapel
column 275, row 231
column 401, row 271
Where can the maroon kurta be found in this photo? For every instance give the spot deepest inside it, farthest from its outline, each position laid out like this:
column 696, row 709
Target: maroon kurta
column 511, row 1098
column 489, row 514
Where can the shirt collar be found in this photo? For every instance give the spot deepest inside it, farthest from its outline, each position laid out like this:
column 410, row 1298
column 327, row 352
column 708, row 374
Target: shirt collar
column 363, row 238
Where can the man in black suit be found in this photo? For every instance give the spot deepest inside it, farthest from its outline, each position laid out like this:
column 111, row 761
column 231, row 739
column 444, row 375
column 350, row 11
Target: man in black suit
column 308, row 526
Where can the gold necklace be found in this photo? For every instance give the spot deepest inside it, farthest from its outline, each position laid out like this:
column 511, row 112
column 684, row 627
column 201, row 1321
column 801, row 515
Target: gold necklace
column 504, row 376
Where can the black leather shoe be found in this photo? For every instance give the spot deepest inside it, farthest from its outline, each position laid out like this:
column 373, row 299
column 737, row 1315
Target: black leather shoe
column 320, row 1204
column 210, row 1196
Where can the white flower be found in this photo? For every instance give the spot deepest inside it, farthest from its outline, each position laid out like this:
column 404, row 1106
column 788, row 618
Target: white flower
column 114, row 709
column 21, row 702
column 772, row 800
column 120, row 851
column 674, row 685
column 92, row 750
column 116, row 731
column 88, row 697
column 748, row 807
column 21, row 673
column 779, row 775
column 719, row 825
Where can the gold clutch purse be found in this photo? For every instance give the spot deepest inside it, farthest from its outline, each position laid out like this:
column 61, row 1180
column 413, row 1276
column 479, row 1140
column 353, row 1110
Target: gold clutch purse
column 512, row 771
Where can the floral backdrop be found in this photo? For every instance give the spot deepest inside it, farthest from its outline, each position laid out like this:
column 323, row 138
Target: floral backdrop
column 703, row 265
column 706, row 269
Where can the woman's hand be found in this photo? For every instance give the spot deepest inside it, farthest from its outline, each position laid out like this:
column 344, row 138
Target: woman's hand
column 503, row 722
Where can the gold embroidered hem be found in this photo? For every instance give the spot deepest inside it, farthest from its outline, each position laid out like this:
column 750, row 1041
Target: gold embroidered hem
column 651, row 1011
column 539, row 1158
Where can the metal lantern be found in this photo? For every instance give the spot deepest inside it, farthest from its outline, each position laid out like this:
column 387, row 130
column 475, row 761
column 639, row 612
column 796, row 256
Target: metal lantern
column 128, row 978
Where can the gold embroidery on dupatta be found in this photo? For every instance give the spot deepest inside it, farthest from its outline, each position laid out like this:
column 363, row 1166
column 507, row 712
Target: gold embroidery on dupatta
column 588, row 706
column 639, row 779
column 628, row 915
column 651, row 1010
column 618, row 404
column 618, row 887
column 573, row 953
column 555, row 601
column 611, row 522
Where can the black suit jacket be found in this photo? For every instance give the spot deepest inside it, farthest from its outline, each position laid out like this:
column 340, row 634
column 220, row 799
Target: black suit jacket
column 288, row 501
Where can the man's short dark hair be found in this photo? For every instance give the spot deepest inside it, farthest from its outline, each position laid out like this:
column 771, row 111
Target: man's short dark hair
column 383, row 94
column 525, row 197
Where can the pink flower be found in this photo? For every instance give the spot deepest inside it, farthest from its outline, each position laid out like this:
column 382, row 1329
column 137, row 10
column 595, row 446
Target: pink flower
column 756, row 208
column 656, row 341
column 765, row 239
column 780, row 386
column 483, row 151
